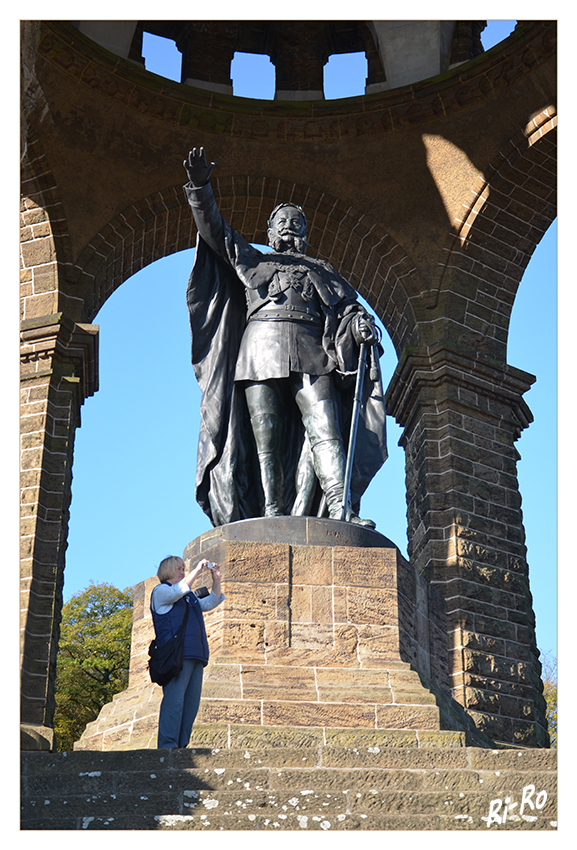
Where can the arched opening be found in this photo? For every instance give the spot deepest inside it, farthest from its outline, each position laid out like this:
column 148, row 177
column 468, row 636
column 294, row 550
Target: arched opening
column 495, row 32
column 140, row 486
column 345, row 75
column 161, row 56
column 532, row 346
column 252, row 75
column 135, row 454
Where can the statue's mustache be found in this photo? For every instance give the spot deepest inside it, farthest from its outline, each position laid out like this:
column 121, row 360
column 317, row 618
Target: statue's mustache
column 280, row 241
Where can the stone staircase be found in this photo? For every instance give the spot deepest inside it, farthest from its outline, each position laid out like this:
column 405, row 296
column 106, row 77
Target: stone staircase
column 255, row 778
column 326, row 706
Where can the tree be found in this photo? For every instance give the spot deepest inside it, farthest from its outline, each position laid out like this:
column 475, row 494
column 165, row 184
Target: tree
column 93, row 657
column 549, row 675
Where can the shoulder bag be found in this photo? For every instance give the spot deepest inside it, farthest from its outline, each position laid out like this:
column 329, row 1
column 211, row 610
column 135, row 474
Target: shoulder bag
column 166, row 661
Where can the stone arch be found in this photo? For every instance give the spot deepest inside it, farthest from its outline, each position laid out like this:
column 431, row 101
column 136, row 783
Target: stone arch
column 501, row 225
column 43, row 246
column 162, row 224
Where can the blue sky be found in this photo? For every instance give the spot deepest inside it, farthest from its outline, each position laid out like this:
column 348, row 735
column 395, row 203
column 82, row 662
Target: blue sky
column 134, row 465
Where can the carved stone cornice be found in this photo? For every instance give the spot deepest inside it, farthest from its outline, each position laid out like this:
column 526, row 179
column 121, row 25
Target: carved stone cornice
column 424, row 377
column 55, row 345
column 459, row 89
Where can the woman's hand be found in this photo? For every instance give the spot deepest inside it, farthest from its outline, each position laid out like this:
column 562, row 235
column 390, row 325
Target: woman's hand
column 216, row 576
column 191, row 576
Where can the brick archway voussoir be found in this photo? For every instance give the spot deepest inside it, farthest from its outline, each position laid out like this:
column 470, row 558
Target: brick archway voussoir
column 503, row 222
column 162, row 224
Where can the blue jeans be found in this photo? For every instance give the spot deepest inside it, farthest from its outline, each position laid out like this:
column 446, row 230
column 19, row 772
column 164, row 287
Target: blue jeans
column 179, row 706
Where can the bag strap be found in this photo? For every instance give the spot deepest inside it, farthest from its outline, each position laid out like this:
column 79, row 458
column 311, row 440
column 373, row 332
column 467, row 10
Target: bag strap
column 181, row 629
column 185, row 618
column 186, row 609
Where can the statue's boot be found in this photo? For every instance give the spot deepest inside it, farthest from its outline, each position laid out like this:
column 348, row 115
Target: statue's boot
column 329, row 459
column 267, row 430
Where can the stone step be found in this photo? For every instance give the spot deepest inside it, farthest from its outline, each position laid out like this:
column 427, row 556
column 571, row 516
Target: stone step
column 130, row 733
column 241, row 821
column 130, row 720
column 269, row 781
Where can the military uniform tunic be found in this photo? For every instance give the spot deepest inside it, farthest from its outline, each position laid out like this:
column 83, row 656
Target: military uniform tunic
column 283, row 335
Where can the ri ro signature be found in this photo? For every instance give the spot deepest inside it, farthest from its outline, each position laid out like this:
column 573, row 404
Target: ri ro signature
column 507, row 809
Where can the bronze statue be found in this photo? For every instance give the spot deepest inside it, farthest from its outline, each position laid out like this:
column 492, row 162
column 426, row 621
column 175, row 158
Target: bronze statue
column 275, row 342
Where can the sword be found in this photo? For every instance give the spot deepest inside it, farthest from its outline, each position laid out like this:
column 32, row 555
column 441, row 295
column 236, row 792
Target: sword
column 357, row 399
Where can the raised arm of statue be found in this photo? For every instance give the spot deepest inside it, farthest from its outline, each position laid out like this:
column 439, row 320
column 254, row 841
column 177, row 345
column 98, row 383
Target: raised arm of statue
column 197, row 168
column 201, row 198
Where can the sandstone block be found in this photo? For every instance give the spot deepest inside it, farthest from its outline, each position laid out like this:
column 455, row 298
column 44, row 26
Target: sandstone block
column 378, row 645
column 407, row 717
column 312, row 565
column 278, row 683
column 353, row 686
column 364, row 567
column 360, row 743
column 339, row 604
column 253, row 562
column 371, row 605
column 322, row 605
column 249, row 600
column 237, row 640
column 115, row 738
column 317, row 714
column 38, row 252
column 203, row 735
column 229, row 711
column 222, row 681
column 299, row 604
column 259, row 738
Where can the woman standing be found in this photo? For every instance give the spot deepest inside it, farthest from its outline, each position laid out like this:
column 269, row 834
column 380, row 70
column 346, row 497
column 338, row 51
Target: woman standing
column 168, row 603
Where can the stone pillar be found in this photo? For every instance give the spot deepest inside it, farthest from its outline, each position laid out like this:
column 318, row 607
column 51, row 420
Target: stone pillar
column 59, row 370
column 115, row 36
column 413, row 50
column 299, row 73
column 462, row 416
column 207, row 52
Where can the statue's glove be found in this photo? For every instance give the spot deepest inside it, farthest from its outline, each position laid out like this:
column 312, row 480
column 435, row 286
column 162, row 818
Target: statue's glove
column 363, row 327
column 197, row 168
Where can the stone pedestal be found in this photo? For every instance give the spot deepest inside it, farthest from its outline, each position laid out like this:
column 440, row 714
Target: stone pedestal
column 315, row 631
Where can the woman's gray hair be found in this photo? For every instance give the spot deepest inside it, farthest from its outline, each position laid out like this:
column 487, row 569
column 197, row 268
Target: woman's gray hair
column 168, row 566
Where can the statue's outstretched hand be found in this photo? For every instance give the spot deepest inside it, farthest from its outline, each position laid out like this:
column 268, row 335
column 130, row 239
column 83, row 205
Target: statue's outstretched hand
column 197, row 168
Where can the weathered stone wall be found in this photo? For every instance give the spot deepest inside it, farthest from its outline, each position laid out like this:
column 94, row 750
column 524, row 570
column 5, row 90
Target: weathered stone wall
column 248, row 778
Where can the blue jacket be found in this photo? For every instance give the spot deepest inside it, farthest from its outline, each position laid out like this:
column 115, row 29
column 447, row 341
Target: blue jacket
column 195, row 640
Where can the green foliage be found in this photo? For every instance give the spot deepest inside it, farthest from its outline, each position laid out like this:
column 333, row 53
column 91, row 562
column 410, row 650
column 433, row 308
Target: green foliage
column 93, row 657
column 549, row 663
